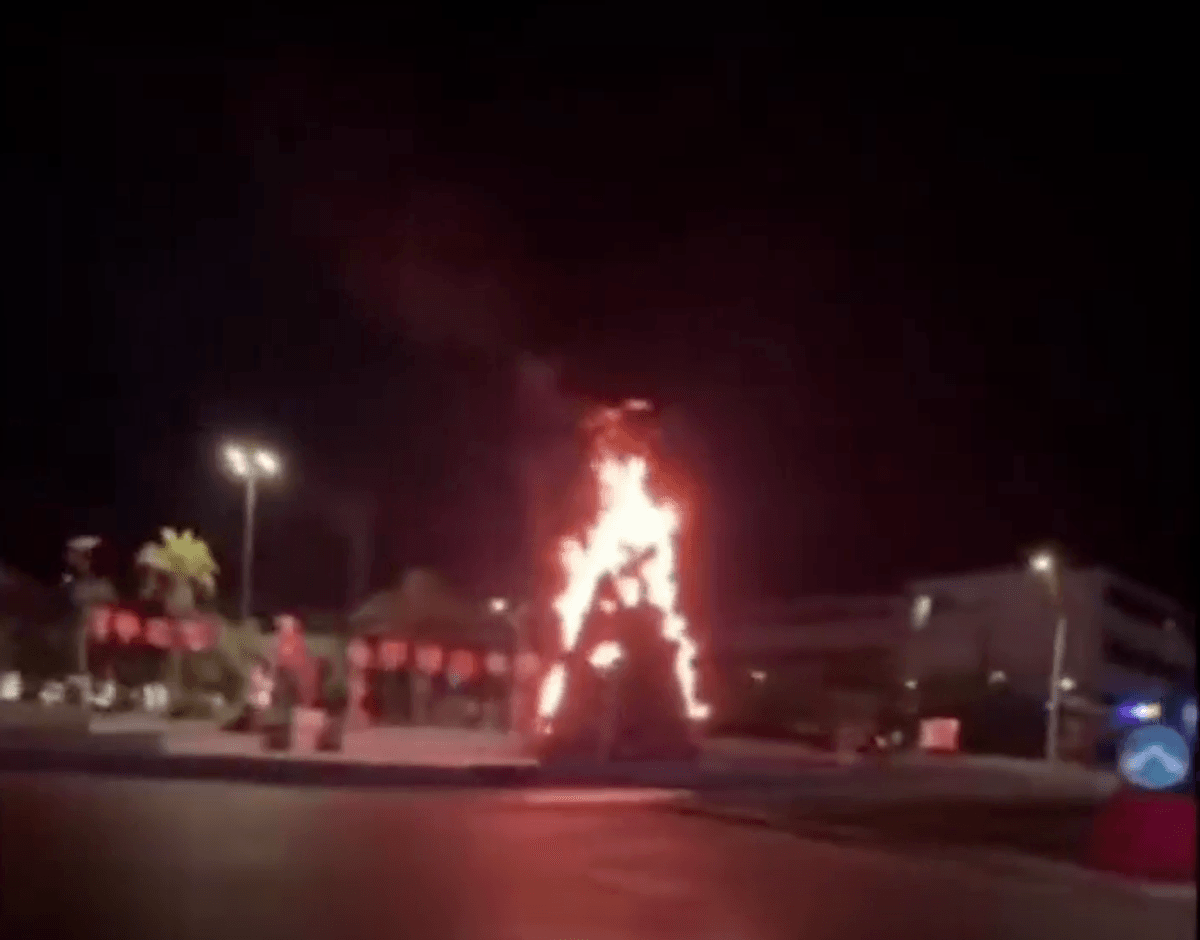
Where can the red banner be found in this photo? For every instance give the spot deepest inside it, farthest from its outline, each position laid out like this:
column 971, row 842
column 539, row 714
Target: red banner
column 358, row 654
column 197, row 635
column 126, row 626
column 496, row 664
column 159, row 633
column 392, row 654
column 462, row 665
column 429, row 659
column 528, row 665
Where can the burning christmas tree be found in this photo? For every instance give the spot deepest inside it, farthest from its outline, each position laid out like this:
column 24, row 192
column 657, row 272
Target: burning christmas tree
column 624, row 684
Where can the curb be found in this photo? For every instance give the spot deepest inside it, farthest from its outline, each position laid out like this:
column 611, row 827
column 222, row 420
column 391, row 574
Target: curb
column 999, row 861
column 139, row 755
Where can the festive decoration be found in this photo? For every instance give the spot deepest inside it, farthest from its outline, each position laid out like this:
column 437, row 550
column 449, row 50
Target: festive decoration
column 358, row 654
column 528, row 665
column 496, row 664
column 461, row 666
column 126, row 626
column 392, row 654
column 429, row 659
column 158, row 632
column 197, row 635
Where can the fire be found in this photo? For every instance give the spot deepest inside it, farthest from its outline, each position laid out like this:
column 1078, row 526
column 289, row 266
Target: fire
column 633, row 540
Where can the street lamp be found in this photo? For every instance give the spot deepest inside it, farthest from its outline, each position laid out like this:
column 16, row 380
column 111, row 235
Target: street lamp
column 250, row 464
column 1046, row 566
column 514, row 617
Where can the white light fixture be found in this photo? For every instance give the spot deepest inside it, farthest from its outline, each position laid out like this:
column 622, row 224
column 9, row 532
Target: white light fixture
column 997, row 676
column 758, row 675
column 249, row 462
column 1042, row 562
column 267, row 462
column 910, row 684
column 498, row 605
column 236, row 460
column 921, row 609
column 1066, row 683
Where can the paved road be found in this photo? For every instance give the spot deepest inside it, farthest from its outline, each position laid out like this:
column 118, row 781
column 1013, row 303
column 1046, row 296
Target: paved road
column 97, row 856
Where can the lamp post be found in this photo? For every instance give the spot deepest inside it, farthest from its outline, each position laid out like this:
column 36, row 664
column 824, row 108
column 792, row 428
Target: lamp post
column 501, row 607
column 250, row 464
column 1046, row 566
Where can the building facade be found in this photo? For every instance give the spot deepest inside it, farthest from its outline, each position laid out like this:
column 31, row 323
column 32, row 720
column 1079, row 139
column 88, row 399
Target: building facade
column 991, row 633
column 825, row 669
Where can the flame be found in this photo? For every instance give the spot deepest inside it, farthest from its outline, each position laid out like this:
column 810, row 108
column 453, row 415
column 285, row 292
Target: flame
column 606, row 654
column 633, row 541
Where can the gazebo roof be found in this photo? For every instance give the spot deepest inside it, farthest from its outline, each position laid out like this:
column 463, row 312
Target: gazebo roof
column 424, row 607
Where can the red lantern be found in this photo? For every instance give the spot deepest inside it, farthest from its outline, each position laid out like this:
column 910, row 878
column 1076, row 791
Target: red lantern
column 462, row 665
column 100, row 622
column 429, row 659
column 158, row 632
column 392, row 654
column 496, row 664
column 197, row 635
column 528, row 665
column 126, row 626
column 358, row 654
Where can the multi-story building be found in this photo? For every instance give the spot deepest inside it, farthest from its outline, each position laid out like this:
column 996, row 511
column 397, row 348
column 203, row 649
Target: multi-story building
column 810, row 667
column 995, row 629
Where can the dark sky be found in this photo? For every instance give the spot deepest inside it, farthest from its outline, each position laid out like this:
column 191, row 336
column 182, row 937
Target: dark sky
column 920, row 297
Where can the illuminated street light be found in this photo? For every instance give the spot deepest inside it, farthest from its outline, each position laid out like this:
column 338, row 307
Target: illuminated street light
column 498, row 605
column 251, row 464
column 1046, row 566
column 1042, row 562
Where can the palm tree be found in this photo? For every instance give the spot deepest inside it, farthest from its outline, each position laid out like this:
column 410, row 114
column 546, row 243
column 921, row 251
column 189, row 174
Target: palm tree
column 178, row 571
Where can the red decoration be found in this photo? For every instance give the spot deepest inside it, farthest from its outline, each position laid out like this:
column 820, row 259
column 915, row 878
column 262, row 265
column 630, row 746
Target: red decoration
column 528, row 665
column 462, row 665
column 159, row 633
column 126, row 626
column 197, row 635
column 392, row 654
column 358, row 654
column 429, row 659
column 496, row 664
column 100, row 622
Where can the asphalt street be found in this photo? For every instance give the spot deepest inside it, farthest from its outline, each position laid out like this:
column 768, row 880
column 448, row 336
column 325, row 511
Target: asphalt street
column 108, row 856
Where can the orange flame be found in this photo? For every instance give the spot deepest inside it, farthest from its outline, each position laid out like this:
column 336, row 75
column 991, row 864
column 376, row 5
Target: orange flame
column 630, row 525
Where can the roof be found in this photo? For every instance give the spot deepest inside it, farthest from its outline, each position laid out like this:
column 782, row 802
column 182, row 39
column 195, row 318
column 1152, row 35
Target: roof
column 424, row 607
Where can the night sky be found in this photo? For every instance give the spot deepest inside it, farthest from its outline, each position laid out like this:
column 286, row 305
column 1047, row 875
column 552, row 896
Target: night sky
column 913, row 300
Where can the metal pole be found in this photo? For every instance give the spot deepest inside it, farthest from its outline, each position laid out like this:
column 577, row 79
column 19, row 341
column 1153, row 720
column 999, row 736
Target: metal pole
column 248, row 546
column 515, row 697
column 1060, row 643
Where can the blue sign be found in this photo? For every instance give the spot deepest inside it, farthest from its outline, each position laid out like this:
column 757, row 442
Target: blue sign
column 1155, row 757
